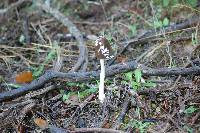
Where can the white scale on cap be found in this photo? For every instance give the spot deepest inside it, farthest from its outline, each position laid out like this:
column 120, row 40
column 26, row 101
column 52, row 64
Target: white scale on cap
column 103, row 49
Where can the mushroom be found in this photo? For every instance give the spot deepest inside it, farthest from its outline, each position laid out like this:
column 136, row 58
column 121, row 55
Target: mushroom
column 103, row 51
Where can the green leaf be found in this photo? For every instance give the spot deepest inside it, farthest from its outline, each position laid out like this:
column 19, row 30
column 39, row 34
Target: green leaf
column 87, row 92
column 135, row 85
column 38, row 71
column 124, row 82
column 165, row 3
column 133, row 29
column 62, row 91
column 165, row 21
column 71, row 84
column 149, row 84
column 65, row 96
column 14, row 85
column 157, row 24
column 142, row 126
column 51, row 55
column 189, row 129
column 174, row 2
column 92, row 90
column 190, row 110
column 109, row 38
column 192, row 3
column 22, row 39
column 138, row 75
column 194, row 39
column 129, row 76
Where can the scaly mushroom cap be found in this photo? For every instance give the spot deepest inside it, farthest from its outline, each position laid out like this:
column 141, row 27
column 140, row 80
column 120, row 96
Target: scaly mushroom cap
column 103, row 49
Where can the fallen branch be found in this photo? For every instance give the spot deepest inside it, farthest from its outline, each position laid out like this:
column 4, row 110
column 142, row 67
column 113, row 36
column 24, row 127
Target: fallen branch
column 171, row 71
column 95, row 130
column 54, row 129
column 12, row 6
column 93, row 75
column 71, row 76
column 72, row 29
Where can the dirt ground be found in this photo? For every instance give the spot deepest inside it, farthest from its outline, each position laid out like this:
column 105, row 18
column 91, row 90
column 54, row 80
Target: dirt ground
column 49, row 72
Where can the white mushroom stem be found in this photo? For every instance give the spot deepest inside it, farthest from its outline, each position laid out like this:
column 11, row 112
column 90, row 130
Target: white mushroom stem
column 101, row 85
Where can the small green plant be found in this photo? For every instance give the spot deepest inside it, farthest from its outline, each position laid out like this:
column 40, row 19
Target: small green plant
column 108, row 35
column 137, row 82
column 161, row 6
column 161, row 23
column 109, row 38
column 165, row 3
column 65, row 96
column 188, row 129
column 168, row 3
column 172, row 63
column 139, row 125
column 190, row 110
column 51, row 55
column 22, row 39
column 133, row 30
column 192, row 3
column 81, row 94
column 13, row 85
column 195, row 38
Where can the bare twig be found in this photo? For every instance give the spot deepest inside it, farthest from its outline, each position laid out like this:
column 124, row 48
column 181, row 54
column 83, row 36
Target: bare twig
column 25, row 29
column 171, row 71
column 175, row 123
column 72, row 29
column 70, row 36
column 95, row 130
column 122, row 113
column 13, row 5
column 40, row 92
column 54, row 129
column 87, row 100
column 195, row 118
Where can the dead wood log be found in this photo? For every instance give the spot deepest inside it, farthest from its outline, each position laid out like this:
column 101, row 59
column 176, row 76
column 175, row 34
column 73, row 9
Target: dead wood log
column 171, row 71
column 93, row 75
column 71, row 76
column 95, row 130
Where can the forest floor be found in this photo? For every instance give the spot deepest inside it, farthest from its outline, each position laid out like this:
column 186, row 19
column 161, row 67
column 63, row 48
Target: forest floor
column 49, row 74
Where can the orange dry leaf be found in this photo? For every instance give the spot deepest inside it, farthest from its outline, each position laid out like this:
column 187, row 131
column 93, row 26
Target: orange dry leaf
column 41, row 123
column 24, row 77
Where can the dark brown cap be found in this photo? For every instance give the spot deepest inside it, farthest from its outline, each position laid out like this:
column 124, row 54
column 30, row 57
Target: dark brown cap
column 103, row 49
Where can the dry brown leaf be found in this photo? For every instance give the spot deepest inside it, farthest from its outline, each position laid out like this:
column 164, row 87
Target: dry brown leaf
column 24, row 77
column 41, row 123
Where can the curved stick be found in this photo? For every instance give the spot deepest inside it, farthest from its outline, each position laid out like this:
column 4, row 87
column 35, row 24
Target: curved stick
column 71, row 76
column 72, row 29
column 93, row 75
